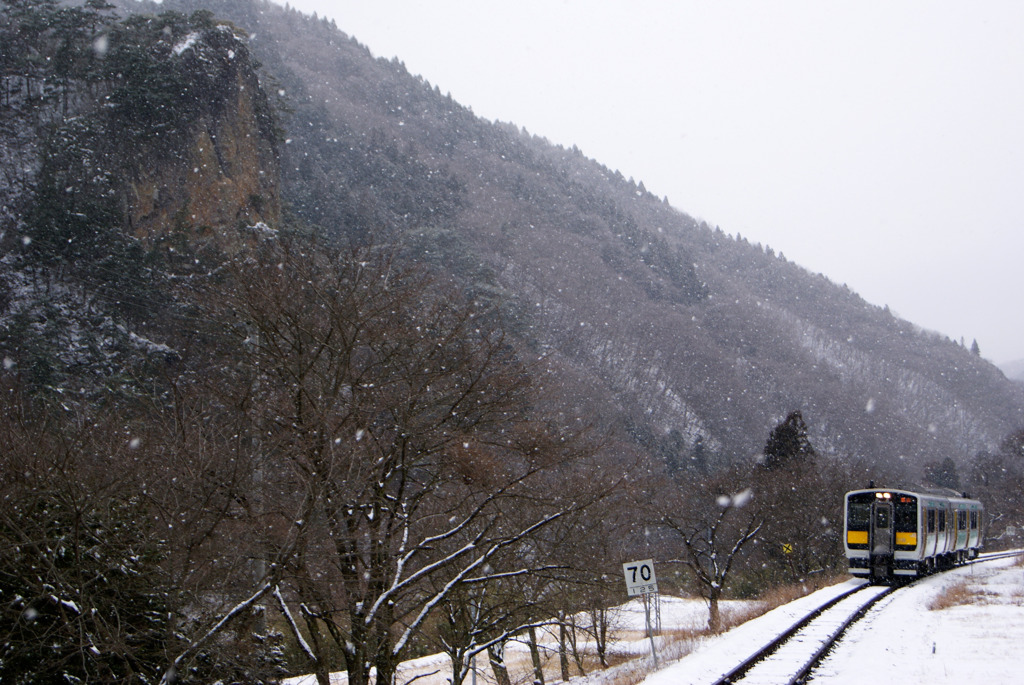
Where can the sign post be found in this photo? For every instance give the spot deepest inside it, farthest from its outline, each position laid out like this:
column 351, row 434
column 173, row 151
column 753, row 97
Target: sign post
column 641, row 581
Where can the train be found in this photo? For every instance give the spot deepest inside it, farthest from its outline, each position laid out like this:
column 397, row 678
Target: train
column 900, row 534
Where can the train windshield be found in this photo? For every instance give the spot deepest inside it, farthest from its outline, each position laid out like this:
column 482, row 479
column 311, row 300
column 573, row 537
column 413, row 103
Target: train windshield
column 858, row 520
column 906, row 522
column 859, row 517
column 906, row 514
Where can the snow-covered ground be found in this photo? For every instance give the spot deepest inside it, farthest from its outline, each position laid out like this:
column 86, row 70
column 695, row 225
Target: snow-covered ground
column 627, row 621
column 906, row 642
column 902, row 640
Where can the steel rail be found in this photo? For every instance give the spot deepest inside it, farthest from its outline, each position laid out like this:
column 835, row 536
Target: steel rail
column 992, row 556
column 748, row 663
column 805, row 671
column 738, row 672
column 819, row 654
column 802, row 675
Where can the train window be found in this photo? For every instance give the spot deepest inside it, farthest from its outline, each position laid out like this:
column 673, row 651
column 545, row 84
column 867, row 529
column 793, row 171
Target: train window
column 974, row 520
column 961, row 520
column 906, row 515
column 858, row 516
column 931, row 520
column 882, row 517
column 942, row 520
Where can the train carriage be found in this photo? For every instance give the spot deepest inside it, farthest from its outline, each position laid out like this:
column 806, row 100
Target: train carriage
column 891, row 533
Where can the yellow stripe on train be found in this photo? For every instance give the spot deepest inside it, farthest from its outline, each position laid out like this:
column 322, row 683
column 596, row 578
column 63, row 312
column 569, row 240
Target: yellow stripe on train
column 906, row 539
column 856, row 537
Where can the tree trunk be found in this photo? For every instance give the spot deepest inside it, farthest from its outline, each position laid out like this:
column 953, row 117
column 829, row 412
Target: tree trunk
column 385, row 659
column 323, row 675
column 563, row 653
column 356, row 657
column 599, row 623
column 538, row 670
column 575, row 647
column 459, row 670
column 496, row 655
column 319, row 664
column 714, row 617
column 386, row 670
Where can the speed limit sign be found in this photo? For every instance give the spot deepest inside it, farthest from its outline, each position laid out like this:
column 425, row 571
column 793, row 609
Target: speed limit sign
column 640, row 578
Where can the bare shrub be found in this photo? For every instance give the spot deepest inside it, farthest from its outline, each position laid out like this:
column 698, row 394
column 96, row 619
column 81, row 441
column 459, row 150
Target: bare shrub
column 957, row 594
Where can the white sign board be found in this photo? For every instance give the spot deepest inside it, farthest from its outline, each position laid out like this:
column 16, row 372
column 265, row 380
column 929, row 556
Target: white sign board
column 640, row 578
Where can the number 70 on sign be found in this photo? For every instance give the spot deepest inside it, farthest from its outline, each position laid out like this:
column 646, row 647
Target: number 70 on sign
column 640, row 578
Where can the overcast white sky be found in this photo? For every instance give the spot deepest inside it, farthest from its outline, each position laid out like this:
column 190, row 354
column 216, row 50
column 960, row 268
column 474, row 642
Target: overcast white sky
column 880, row 143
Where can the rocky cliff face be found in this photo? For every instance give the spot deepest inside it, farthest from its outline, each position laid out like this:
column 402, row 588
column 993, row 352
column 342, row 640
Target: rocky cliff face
column 127, row 148
column 225, row 173
column 169, row 115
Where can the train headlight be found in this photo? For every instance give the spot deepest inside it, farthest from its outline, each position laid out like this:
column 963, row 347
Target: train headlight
column 883, row 495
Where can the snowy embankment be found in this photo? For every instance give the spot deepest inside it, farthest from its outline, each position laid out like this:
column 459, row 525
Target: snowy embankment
column 629, row 640
column 903, row 639
column 907, row 641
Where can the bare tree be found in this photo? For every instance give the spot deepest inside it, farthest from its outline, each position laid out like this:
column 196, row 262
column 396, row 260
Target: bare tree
column 401, row 419
column 111, row 547
column 82, row 597
column 713, row 534
column 484, row 617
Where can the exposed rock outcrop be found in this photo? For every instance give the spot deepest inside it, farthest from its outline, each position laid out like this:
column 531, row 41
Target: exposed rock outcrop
column 225, row 171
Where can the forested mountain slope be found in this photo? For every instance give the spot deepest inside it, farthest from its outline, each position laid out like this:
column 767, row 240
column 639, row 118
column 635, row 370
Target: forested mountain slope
column 286, row 333
column 130, row 162
column 678, row 332
column 689, row 342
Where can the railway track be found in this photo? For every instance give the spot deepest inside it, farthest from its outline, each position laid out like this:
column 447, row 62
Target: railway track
column 791, row 656
column 992, row 556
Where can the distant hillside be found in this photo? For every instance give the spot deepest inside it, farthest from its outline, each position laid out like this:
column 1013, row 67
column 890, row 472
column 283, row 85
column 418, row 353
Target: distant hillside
column 687, row 343
column 1014, row 370
column 683, row 336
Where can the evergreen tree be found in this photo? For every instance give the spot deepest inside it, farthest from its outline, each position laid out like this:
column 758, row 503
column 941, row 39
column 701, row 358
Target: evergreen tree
column 787, row 442
column 700, row 457
column 1013, row 444
column 942, row 474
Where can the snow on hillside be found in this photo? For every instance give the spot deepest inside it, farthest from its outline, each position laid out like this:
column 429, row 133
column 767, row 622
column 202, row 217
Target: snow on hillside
column 627, row 621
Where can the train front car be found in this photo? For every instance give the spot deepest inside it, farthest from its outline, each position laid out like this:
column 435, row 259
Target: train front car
column 882, row 534
column 899, row 533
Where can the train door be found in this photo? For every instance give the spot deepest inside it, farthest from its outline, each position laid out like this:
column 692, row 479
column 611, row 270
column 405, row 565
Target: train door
column 931, row 537
column 947, row 528
column 882, row 539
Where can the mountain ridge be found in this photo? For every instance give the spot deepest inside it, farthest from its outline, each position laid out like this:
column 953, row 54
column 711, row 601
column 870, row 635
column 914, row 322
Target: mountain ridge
column 681, row 337
column 1014, row 370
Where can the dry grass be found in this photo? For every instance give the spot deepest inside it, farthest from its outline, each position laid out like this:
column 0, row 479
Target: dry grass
column 672, row 645
column 785, row 594
column 957, row 594
column 680, row 642
column 775, row 597
column 628, row 673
